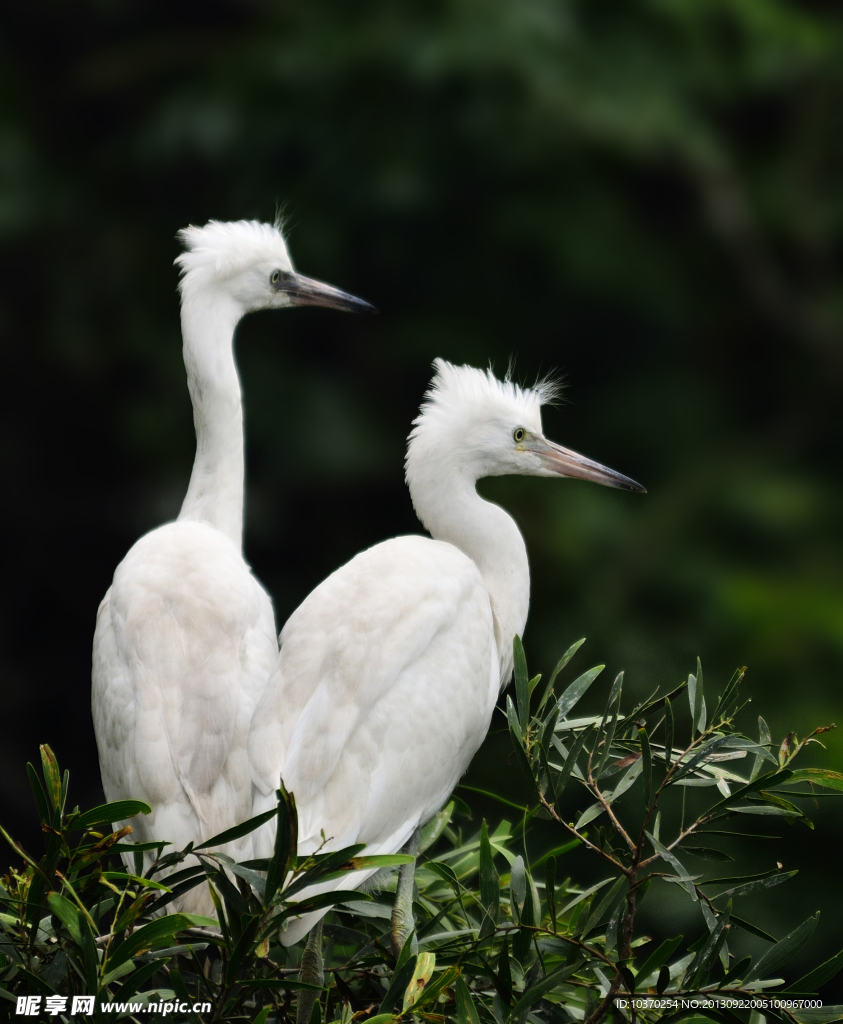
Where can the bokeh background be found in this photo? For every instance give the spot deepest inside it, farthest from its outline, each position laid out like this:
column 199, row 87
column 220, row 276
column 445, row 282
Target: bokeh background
column 645, row 197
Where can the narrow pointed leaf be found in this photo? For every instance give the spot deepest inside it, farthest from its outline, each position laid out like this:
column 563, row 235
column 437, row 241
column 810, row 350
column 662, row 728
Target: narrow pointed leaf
column 540, row 988
column 243, row 829
column 489, row 880
column 110, row 813
column 286, row 840
column 466, row 1010
column 566, row 657
column 756, row 886
column 763, row 741
column 819, row 975
column 674, row 861
column 659, row 956
column 668, row 733
column 783, row 951
column 550, row 889
column 522, row 683
column 571, row 759
column 817, row 777
column 578, row 687
column 647, row 765
column 398, row 985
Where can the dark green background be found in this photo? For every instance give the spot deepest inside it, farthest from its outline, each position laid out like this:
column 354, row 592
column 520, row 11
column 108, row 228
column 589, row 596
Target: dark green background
column 645, row 196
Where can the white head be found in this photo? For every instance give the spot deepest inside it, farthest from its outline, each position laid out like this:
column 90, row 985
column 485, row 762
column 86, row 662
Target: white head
column 248, row 262
column 474, row 424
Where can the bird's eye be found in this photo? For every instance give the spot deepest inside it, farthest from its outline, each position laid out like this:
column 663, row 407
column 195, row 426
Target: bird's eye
column 275, row 277
column 518, row 435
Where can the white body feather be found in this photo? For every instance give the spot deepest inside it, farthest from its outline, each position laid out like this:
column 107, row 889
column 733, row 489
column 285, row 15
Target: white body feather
column 185, row 637
column 389, row 671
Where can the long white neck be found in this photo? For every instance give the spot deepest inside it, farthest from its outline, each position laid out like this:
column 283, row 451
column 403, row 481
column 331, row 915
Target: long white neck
column 447, row 503
column 215, row 492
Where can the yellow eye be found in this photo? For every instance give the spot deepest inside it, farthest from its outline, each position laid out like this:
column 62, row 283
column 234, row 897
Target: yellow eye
column 518, row 435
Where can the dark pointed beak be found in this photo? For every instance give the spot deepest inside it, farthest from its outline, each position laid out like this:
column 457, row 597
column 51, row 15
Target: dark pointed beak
column 559, row 461
column 306, row 291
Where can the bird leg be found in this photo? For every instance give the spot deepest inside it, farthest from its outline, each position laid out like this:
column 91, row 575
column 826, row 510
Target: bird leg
column 310, row 972
column 402, row 922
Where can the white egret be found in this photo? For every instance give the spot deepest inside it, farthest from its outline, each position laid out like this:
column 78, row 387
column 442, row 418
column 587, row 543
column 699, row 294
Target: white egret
column 185, row 637
column 389, row 671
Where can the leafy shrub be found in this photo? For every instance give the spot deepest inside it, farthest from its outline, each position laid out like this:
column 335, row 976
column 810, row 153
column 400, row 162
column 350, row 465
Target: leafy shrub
column 496, row 946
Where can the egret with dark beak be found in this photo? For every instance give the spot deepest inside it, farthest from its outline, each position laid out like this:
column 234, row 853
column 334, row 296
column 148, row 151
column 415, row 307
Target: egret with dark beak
column 185, row 637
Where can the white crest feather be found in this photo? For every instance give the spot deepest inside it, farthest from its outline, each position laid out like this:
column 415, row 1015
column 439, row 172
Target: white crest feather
column 222, row 249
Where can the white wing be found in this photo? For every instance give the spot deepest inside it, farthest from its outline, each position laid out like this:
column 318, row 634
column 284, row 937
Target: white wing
column 382, row 693
column 184, row 645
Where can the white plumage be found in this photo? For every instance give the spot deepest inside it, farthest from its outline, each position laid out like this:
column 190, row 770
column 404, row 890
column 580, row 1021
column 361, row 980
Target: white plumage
column 185, row 636
column 389, row 671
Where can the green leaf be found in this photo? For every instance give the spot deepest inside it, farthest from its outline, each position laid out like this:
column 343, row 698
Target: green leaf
column 728, row 693
column 818, row 1014
column 763, row 809
column 466, row 1010
column 778, row 955
column 762, row 883
column 708, row 748
column 518, row 885
column 764, row 782
column 817, row 777
column 514, row 722
column 539, row 988
column 286, row 840
column 150, row 935
column 698, row 700
column 652, row 704
column 435, row 827
column 668, row 733
column 613, row 710
column 39, row 794
column 238, row 831
column 489, row 882
column 571, row 759
column 400, row 980
column 706, row 853
column 493, row 796
column 563, row 661
column 524, row 765
column 68, row 914
column 753, row 929
column 109, row 813
column 578, row 687
column 379, row 860
column 763, row 741
column 647, row 762
column 243, row 947
column 52, row 777
column 626, row 782
column 433, row 988
column 139, row 977
column 659, row 956
column 606, row 904
column 814, row 979
column 550, row 889
column 325, row 899
column 665, row 854
column 737, row 971
column 548, row 690
column 522, row 683
column 696, row 974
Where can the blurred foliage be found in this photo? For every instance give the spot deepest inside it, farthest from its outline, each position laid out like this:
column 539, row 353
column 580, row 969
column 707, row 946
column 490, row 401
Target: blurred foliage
column 516, row 945
column 646, row 196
